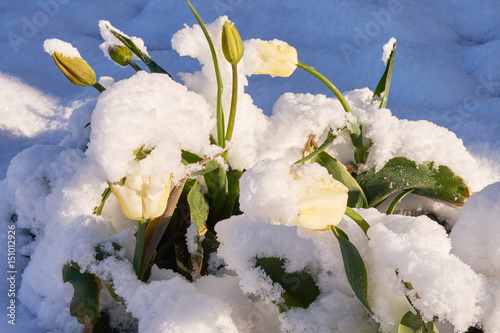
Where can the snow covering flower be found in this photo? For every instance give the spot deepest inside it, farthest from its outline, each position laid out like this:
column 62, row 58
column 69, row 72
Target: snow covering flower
column 142, row 197
column 232, row 45
column 322, row 203
column 75, row 69
column 276, row 59
column 300, row 195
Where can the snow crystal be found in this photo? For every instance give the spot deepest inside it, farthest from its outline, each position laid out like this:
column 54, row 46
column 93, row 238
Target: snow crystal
column 66, row 49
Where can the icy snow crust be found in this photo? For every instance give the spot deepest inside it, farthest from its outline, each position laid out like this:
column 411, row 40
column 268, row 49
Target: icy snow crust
column 53, row 188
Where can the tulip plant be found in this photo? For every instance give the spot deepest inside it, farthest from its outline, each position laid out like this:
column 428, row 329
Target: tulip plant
column 164, row 210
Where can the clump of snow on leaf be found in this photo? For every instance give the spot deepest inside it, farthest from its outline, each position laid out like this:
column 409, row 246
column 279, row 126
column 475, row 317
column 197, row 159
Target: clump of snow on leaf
column 66, row 49
column 419, row 141
column 388, row 47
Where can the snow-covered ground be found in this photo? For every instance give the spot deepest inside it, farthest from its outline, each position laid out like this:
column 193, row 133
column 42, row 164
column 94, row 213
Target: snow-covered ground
column 447, row 71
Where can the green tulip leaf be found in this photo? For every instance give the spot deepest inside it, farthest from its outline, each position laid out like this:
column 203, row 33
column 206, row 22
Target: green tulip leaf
column 141, row 153
column 410, row 323
column 354, row 267
column 218, row 191
column 198, row 208
column 152, row 65
column 357, row 198
column 84, row 305
column 190, row 158
column 431, row 327
column 299, row 288
column 397, row 200
column 360, row 221
column 381, row 93
column 401, row 174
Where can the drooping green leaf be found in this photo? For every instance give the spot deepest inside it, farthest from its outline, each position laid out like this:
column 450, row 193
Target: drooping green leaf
column 381, row 93
column 299, row 288
column 354, row 267
column 360, row 221
column 85, row 302
column 198, row 208
column 153, row 66
column 357, row 198
column 397, row 200
column 410, row 323
column 401, row 174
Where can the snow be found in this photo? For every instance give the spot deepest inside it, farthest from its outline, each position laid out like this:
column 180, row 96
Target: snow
column 66, row 49
column 388, row 48
column 443, row 107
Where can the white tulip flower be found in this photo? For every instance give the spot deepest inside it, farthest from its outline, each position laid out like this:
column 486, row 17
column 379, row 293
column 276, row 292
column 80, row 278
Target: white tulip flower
column 143, row 197
column 321, row 204
column 276, row 59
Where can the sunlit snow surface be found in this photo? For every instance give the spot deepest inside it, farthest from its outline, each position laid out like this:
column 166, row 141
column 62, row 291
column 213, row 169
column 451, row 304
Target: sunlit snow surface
column 447, row 71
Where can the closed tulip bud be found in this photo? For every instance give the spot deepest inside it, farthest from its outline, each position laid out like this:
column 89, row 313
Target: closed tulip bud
column 75, row 69
column 142, row 197
column 232, row 45
column 120, row 54
column 276, row 59
column 321, row 204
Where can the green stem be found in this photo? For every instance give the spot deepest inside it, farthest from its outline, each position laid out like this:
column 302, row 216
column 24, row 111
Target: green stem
column 99, row 87
column 157, row 227
column 220, row 88
column 234, row 101
column 356, row 133
column 328, row 141
column 327, row 83
column 134, row 66
column 139, row 248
